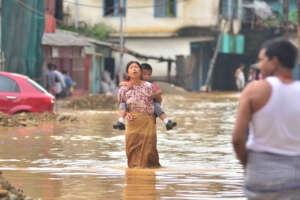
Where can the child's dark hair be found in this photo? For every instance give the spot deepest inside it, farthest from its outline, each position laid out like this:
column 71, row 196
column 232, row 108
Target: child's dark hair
column 146, row 66
column 131, row 62
column 284, row 50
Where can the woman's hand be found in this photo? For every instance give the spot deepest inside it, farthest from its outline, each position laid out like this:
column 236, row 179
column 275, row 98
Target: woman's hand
column 123, row 83
column 129, row 116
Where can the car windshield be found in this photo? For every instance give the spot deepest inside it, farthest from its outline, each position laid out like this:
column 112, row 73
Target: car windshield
column 37, row 86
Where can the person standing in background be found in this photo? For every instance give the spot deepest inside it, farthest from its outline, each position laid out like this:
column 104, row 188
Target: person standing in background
column 60, row 84
column 68, row 82
column 50, row 80
column 251, row 75
column 240, row 77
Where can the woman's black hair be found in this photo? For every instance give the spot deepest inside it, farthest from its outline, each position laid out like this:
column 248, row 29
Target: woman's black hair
column 136, row 62
column 131, row 62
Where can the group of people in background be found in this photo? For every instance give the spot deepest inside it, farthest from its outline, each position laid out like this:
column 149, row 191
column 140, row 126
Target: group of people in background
column 59, row 84
column 241, row 80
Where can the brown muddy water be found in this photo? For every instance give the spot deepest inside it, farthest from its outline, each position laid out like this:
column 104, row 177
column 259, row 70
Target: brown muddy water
column 86, row 160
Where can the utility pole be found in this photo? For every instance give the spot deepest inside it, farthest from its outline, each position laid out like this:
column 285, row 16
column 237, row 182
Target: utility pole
column 76, row 14
column 121, row 11
column 229, row 21
column 208, row 81
column 286, row 11
column 1, row 52
column 298, row 12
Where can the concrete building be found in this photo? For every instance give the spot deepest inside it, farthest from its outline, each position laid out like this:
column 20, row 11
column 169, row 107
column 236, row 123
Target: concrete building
column 161, row 28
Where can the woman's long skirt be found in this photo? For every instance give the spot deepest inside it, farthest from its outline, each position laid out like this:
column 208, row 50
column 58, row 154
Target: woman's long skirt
column 141, row 141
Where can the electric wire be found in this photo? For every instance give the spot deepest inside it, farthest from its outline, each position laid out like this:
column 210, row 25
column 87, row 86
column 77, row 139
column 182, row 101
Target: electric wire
column 41, row 15
column 129, row 7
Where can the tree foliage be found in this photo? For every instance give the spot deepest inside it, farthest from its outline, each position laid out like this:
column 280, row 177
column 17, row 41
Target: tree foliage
column 99, row 31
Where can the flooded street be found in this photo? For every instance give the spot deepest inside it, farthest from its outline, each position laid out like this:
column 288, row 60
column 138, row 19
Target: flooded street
column 86, row 159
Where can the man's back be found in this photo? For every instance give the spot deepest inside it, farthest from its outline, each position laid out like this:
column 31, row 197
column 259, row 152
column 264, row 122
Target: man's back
column 274, row 126
column 50, row 79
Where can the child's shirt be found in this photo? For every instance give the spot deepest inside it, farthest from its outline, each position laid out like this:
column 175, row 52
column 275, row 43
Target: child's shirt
column 155, row 87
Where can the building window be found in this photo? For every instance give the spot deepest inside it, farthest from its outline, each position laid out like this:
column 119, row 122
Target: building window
column 165, row 8
column 112, row 7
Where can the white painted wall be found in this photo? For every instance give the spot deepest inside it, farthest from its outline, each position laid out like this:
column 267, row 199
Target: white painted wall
column 149, row 35
column 140, row 15
column 160, row 47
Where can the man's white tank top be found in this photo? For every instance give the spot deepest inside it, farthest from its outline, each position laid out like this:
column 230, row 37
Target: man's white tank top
column 275, row 128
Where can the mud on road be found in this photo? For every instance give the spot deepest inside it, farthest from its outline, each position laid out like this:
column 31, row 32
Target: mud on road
column 91, row 102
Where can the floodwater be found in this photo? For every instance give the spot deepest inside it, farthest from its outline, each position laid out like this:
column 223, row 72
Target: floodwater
column 86, row 160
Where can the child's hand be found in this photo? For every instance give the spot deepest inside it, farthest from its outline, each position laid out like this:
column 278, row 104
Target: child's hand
column 156, row 96
column 123, row 83
column 151, row 96
column 127, row 84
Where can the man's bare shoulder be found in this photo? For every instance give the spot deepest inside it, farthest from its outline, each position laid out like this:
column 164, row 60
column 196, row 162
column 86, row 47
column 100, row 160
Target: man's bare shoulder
column 257, row 92
column 256, row 88
column 258, row 85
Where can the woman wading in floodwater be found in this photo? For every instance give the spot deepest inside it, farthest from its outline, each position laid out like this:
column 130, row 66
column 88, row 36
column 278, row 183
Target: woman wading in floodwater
column 140, row 125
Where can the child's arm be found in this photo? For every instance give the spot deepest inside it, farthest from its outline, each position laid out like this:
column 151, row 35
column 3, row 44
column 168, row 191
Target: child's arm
column 159, row 99
column 157, row 96
column 158, row 92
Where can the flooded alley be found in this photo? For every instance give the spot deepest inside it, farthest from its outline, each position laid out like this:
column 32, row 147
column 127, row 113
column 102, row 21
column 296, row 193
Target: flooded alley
column 86, row 159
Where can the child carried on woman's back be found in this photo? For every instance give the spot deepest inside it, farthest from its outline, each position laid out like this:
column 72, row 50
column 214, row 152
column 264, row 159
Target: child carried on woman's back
column 156, row 96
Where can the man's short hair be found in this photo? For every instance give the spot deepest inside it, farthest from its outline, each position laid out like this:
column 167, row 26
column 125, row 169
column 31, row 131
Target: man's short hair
column 284, row 50
column 49, row 66
column 146, row 66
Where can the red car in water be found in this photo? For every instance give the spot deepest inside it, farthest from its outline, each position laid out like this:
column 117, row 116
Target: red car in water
column 18, row 93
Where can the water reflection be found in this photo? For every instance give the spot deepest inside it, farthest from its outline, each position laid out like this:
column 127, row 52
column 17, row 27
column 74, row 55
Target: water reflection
column 87, row 160
column 36, row 184
column 140, row 184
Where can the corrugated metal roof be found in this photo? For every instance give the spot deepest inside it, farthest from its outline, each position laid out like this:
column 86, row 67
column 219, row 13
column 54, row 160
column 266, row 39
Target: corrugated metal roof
column 64, row 38
column 99, row 42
